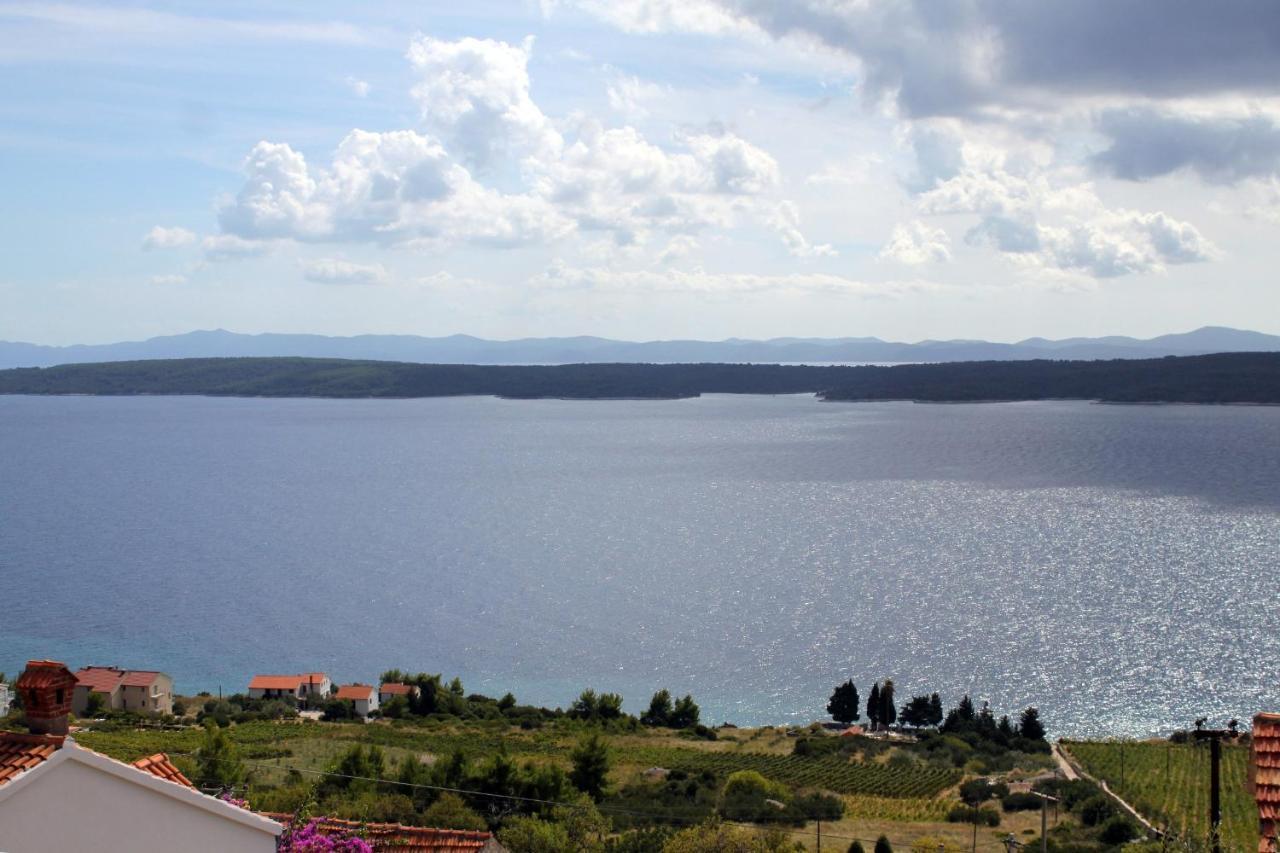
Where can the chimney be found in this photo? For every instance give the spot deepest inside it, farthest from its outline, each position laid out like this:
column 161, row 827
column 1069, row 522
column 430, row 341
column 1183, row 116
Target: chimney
column 46, row 687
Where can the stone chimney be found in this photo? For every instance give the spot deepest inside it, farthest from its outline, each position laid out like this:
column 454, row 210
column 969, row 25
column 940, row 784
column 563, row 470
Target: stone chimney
column 46, row 687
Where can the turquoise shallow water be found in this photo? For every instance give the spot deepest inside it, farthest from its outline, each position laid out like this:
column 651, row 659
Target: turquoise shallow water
column 1116, row 565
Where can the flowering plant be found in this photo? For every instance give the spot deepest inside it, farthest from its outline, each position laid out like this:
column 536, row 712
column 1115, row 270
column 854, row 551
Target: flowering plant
column 309, row 839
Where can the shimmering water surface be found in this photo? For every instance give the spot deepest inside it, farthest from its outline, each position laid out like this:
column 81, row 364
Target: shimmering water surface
column 1116, row 565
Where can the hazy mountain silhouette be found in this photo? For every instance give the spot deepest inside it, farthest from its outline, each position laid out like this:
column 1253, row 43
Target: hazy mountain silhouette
column 465, row 349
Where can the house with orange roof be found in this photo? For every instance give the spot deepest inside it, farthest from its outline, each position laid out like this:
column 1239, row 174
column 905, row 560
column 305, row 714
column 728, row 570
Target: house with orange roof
column 144, row 691
column 363, row 696
column 304, row 686
column 57, row 795
column 388, row 690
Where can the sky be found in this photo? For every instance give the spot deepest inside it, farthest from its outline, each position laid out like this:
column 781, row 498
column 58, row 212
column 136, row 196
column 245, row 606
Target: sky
column 639, row 169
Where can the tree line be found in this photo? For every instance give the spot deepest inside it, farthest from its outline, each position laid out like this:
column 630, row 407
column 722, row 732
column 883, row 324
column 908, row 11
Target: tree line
column 925, row 711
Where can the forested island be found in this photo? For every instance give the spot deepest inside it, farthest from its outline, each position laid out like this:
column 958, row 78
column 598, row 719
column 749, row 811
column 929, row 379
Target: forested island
column 1219, row 378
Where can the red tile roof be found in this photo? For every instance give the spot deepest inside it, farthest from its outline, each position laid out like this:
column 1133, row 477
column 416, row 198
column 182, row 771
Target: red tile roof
column 276, row 682
column 1264, row 776
column 138, row 678
column 395, row 838
column 355, row 691
column 19, row 752
column 160, row 765
column 100, row 679
column 44, row 673
column 394, row 688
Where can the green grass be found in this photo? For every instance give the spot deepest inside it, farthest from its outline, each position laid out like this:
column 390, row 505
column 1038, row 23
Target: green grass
column 1169, row 785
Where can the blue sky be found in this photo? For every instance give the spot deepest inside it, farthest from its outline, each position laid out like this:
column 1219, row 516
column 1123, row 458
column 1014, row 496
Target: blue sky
column 638, row 169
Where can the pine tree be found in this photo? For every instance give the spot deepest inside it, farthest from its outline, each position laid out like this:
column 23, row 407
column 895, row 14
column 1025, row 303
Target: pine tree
column 935, row 710
column 1030, row 726
column 659, row 713
column 590, row 766
column 685, row 714
column 217, row 764
column 873, row 705
column 843, row 706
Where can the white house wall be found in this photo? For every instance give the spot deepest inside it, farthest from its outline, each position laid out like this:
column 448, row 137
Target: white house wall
column 73, row 806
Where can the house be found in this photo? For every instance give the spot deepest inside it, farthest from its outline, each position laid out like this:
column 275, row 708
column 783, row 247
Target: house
column 5, row 699
column 390, row 689
column 57, row 795
column 853, row 731
column 144, row 691
column 365, row 697
column 395, row 838
column 1264, row 778
column 303, row 687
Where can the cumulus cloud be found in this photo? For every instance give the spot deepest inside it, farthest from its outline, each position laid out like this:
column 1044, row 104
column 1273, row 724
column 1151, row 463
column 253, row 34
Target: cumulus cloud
column 630, row 96
column 1063, row 226
column 414, row 188
column 786, row 221
column 1147, row 142
column 474, row 95
column 338, row 271
column 160, row 237
column 915, row 243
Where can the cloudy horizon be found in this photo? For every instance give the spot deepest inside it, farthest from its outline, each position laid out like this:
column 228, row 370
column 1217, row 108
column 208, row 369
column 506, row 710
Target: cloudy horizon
column 640, row 169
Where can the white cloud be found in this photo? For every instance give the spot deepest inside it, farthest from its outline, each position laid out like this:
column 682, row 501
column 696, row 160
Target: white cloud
column 411, row 188
column 229, row 247
column 338, row 271
column 630, row 96
column 474, row 94
column 786, row 221
column 358, row 86
column 560, row 276
column 678, row 248
column 160, row 237
column 915, row 243
column 168, row 280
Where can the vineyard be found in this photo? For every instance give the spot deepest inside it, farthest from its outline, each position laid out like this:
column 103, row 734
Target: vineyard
column 832, row 774
column 899, row 809
column 1169, row 784
column 313, row 746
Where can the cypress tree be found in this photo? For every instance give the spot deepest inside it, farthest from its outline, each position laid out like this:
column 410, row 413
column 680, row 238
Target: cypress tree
column 888, row 712
column 873, row 705
column 935, row 709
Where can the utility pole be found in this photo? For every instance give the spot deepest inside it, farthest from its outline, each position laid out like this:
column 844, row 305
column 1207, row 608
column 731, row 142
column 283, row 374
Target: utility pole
column 1215, row 737
column 819, row 836
column 1044, row 819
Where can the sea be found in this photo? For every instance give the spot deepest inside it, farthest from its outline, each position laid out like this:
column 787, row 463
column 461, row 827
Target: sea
column 1115, row 566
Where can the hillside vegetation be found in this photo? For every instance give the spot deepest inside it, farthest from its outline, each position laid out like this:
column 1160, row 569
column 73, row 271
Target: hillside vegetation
column 1221, row 378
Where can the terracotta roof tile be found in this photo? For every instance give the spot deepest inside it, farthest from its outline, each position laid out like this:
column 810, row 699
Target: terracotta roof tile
column 395, row 838
column 1264, row 775
column 44, row 673
column 100, row 679
column 160, row 765
column 138, row 678
column 394, row 688
column 19, row 752
column 355, row 691
column 276, row 682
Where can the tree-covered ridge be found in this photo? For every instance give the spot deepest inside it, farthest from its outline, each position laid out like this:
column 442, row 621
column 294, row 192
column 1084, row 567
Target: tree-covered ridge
column 1220, row 378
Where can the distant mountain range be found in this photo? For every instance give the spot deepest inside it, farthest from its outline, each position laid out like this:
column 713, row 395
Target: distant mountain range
column 464, row 349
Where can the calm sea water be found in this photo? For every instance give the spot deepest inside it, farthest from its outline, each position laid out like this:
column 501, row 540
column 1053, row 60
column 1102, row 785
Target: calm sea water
column 1116, row 565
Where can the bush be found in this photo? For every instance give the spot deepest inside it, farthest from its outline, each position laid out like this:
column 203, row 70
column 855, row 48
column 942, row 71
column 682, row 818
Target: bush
column 976, row 791
column 1096, row 810
column 1020, row 802
column 747, row 794
column 883, row 845
column 1118, row 830
column 973, row 814
column 819, row 806
column 856, row 847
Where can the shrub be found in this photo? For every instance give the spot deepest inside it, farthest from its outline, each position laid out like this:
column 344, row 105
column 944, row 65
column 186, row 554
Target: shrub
column 819, row 806
column 1020, row 802
column 1096, row 810
column 1118, row 830
column 883, row 845
column 747, row 794
column 973, row 814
